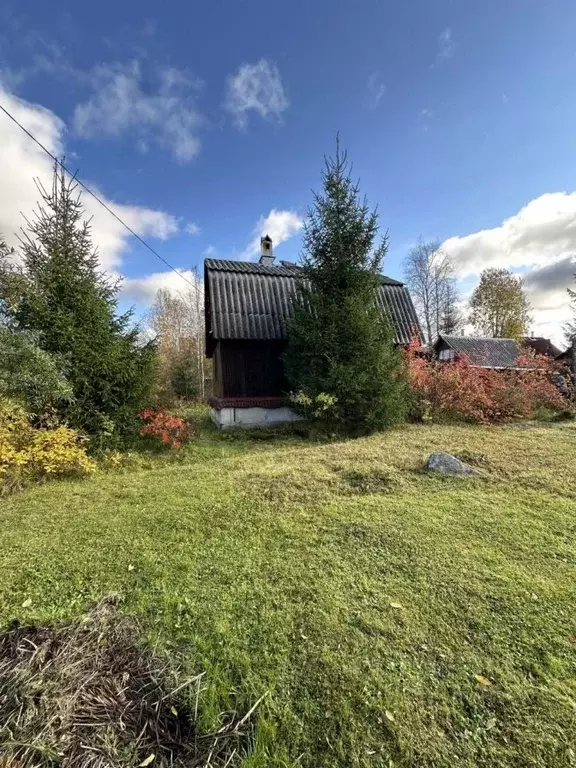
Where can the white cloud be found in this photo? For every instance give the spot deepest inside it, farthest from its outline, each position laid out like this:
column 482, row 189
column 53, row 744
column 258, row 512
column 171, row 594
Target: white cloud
column 445, row 44
column 376, row 89
column 257, row 88
column 192, row 229
column 43, row 57
column 143, row 290
column 538, row 242
column 22, row 161
column 280, row 225
column 543, row 231
column 121, row 104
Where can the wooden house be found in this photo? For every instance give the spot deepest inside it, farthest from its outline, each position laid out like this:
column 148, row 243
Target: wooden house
column 486, row 352
column 247, row 305
column 480, row 351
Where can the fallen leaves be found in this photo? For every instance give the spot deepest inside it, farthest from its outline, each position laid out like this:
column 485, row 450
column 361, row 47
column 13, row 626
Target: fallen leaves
column 483, row 680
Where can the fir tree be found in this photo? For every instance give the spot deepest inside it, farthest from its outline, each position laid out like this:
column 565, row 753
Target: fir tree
column 72, row 305
column 570, row 327
column 339, row 340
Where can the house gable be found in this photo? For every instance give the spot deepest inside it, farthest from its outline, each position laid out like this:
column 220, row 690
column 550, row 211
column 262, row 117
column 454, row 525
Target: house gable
column 252, row 302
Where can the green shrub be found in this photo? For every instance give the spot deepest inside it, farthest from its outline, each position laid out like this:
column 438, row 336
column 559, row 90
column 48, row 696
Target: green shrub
column 31, row 375
column 320, row 406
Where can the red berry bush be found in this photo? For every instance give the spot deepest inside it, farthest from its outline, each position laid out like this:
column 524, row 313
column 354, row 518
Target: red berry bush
column 461, row 390
column 169, row 430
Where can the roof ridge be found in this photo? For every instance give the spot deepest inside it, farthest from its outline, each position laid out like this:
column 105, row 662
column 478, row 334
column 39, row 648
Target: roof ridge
column 280, row 268
column 478, row 338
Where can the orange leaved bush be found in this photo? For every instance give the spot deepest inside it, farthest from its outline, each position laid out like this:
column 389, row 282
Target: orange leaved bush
column 484, row 395
column 169, row 430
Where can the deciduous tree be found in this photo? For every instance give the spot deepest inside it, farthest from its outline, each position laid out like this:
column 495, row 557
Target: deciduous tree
column 429, row 274
column 499, row 306
column 177, row 319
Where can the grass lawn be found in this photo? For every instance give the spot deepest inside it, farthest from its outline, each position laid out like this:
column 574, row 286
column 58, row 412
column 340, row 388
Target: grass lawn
column 364, row 596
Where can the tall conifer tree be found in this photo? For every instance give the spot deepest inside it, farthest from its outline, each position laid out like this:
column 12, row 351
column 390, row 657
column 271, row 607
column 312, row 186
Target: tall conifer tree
column 339, row 340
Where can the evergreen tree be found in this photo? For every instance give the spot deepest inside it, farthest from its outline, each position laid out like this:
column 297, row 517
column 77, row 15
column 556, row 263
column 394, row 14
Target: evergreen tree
column 451, row 320
column 72, row 305
column 570, row 327
column 339, row 340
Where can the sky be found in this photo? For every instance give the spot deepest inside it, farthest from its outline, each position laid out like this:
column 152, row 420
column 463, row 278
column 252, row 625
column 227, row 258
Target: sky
column 204, row 125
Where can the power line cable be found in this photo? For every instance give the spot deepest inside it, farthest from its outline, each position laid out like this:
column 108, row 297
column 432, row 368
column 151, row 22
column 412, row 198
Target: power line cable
column 94, row 195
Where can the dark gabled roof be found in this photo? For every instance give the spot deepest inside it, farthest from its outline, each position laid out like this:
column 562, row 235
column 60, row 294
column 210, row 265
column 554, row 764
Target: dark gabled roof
column 283, row 269
column 251, row 268
column 252, row 301
column 482, row 351
column 541, row 346
column 566, row 355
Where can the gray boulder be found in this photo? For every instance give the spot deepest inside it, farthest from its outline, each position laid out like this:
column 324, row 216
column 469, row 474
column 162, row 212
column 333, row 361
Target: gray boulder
column 445, row 464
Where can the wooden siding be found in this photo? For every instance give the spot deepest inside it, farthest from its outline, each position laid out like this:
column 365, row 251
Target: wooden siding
column 248, row 369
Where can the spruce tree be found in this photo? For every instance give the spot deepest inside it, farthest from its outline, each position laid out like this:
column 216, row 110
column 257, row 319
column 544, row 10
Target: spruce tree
column 570, row 327
column 72, row 306
column 339, row 340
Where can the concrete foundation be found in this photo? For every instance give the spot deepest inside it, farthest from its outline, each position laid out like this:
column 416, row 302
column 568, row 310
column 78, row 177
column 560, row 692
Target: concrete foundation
column 228, row 417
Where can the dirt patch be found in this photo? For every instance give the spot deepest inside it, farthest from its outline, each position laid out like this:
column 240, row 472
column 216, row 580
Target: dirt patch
column 88, row 695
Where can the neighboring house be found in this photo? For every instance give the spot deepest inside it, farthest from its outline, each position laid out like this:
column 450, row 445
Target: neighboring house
column 482, row 352
column 567, row 360
column 567, row 356
column 540, row 346
column 247, row 305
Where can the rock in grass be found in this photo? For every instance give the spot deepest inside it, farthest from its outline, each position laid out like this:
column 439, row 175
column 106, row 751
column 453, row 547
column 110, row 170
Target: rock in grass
column 443, row 463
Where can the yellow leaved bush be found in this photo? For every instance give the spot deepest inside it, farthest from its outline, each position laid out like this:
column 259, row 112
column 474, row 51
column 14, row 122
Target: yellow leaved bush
column 28, row 454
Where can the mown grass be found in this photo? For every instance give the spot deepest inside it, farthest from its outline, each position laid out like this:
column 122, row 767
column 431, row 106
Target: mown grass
column 363, row 595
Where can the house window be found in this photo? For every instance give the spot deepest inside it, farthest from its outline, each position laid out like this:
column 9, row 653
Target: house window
column 447, row 355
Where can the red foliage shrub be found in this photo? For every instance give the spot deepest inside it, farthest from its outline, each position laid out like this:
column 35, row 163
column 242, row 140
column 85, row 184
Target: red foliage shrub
column 170, row 430
column 461, row 390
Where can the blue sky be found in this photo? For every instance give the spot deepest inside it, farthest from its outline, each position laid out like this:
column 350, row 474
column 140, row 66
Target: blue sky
column 458, row 116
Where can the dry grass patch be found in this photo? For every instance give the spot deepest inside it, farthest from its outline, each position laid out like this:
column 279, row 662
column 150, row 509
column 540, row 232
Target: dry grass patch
column 85, row 694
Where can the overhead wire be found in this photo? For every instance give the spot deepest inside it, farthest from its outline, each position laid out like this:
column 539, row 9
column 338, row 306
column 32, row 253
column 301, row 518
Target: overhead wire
column 94, row 195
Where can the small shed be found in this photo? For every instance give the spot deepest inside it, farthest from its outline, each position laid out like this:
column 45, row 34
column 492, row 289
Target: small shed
column 481, row 351
column 247, row 305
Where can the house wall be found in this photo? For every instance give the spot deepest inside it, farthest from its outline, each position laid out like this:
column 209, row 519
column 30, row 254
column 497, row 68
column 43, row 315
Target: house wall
column 249, row 369
column 443, row 351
